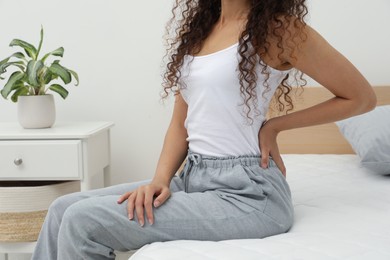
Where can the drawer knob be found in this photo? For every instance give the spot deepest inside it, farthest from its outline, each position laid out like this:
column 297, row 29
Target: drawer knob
column 18, row 161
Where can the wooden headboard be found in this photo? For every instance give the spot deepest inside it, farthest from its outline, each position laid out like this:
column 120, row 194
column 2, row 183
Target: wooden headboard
column 321, row 139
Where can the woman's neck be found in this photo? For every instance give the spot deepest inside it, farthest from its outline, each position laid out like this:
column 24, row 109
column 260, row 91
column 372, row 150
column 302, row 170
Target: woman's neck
column 233, row 11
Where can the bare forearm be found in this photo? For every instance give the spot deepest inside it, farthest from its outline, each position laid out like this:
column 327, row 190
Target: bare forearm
column 318, row 59
column 329, row 111
column 172, row 155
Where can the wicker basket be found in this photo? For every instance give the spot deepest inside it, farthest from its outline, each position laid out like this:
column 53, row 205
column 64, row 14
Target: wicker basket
column 24, row 204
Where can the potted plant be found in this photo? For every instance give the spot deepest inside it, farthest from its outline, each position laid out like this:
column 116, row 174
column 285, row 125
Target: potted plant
column 29, row 84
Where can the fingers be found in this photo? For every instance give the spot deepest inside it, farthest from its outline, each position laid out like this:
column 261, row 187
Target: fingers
column 269, row 148
column 264, row 158
column 280, row 164
column 149, row 193
column 124, row 197
column 265, row 155
column 164, row 195
column 139, row 206
column 140, row 202
column 130, row 205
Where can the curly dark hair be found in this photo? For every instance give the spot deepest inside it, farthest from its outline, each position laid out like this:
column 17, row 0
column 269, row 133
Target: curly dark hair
column 193, row 21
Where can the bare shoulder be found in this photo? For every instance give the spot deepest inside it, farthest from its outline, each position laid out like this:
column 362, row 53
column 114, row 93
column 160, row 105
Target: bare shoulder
column 285, row 33
column 306, row 50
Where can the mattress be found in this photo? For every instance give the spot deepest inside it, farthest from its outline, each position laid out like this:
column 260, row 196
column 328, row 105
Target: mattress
column 342, row 211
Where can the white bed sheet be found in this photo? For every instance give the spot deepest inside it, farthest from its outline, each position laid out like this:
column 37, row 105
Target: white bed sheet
column 342, row 211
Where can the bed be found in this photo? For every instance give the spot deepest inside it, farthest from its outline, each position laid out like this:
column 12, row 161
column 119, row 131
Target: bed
column 342, row 209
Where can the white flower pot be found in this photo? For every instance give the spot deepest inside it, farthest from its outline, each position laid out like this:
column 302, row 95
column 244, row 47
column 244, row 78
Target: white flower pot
column 36, row 111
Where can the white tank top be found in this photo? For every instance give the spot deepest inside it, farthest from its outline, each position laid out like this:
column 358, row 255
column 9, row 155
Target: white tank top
column 216, row 121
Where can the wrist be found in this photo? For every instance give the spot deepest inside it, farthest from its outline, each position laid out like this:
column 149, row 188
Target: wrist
column 163, row 180
column 273, row 125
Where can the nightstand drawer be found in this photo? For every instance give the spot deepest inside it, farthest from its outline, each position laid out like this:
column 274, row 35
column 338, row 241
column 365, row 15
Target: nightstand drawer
column 43, row 159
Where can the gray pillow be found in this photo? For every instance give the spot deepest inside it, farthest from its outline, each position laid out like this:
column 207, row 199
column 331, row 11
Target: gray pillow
column 369, row 136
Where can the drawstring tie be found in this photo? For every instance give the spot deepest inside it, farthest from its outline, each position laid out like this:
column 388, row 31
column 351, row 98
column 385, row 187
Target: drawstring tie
column 192, row 159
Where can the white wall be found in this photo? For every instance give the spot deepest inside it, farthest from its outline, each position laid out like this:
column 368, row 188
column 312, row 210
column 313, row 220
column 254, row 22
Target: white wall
column 116, row 47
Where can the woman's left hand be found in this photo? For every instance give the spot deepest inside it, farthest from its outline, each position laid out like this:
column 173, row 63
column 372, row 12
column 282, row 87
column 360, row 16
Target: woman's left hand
column 269, row 147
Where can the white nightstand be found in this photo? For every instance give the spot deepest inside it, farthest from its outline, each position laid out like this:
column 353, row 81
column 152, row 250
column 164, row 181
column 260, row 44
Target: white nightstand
column 67, row 151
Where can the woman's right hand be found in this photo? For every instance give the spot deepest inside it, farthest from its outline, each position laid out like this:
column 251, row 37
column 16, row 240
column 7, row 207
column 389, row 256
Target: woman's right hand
column 142, row 200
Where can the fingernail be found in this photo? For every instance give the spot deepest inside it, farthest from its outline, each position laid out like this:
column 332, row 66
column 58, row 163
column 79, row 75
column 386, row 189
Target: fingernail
column 150, row 221
column 130, row 216
column 156, row 203
column 141, row 222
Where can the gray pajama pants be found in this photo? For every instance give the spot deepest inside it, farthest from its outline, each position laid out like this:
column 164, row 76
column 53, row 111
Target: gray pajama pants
column 212, row 199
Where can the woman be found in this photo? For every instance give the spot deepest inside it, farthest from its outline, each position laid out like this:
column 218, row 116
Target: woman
column 227, row 61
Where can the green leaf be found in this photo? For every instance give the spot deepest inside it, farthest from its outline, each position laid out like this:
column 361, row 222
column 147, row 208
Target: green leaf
column 33, row 69
column 57, row 52
column 61, row 71
column 19, row 64
column 16, row 54
column 13, row 82
column 75, row 75
column 19, row 55
column 29, row 48
column 4, row 61
column 22, row 91
column 47, row 76
column 40, row 42
column 60, row 90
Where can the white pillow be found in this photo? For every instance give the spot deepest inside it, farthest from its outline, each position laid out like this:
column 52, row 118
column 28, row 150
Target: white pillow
column 369, row 136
